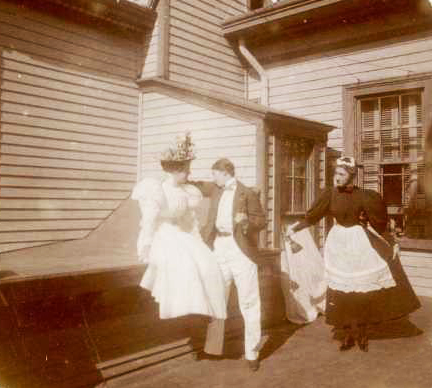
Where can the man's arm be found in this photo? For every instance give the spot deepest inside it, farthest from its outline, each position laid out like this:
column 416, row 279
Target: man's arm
column 206, row 188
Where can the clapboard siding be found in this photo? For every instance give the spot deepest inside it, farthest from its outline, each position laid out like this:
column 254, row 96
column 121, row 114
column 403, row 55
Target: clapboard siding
column 151, row 51
column 69, row 120
column 312, row 87
column 418, row 266
column 214, row 134
column 194, row 35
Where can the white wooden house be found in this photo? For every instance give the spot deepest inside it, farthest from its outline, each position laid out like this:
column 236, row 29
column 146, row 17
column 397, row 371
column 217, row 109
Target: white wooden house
column 92, row 90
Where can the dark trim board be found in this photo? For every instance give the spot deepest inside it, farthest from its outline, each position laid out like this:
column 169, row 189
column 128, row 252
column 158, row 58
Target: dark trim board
column 123, row 15
column 70, row 284
column 294, row 13
column 326, row 28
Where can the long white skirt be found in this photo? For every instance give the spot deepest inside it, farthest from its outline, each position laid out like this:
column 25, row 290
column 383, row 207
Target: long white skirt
column 183, row 275
column 303, row 280
column 352, row 264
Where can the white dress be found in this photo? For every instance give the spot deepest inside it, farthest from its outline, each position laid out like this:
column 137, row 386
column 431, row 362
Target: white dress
column 182, row 273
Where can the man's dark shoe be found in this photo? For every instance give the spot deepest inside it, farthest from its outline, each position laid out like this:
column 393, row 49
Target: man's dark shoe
column 201, row 355
column 253, row 365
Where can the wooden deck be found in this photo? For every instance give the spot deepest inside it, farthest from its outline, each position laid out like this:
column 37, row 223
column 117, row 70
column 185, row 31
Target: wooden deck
column 73, row 314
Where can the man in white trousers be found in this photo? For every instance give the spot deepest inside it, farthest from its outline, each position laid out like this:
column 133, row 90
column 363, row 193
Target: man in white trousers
column 234, row 221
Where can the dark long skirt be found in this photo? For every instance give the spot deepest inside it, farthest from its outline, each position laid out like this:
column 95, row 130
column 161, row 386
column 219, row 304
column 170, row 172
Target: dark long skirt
column 372, row 307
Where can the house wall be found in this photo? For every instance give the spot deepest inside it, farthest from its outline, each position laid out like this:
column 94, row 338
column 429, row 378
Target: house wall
column 311, row 86
column 151, row 50
column 418, row 266
column 69, row 115
column 215, row 136
column 199, row 55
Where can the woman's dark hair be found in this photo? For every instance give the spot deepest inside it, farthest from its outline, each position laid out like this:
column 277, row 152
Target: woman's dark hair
column 175, row 165
column 224, row 165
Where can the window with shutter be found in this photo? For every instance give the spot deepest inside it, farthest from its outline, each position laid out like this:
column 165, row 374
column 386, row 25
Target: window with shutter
column 296, row 175
column 390, row 150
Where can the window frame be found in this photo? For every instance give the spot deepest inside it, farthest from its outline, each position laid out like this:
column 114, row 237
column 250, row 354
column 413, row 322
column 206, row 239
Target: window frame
column 350, row 97
column 308, row 177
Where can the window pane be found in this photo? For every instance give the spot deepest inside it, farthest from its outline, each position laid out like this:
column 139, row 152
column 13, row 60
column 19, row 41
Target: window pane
column 299, row 195
column 392, row 185
column 286, row 195
column 300, row 167
column 392, row 144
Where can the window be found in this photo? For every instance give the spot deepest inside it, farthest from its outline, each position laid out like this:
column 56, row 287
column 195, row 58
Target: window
column 390, row 149
column 295, row 175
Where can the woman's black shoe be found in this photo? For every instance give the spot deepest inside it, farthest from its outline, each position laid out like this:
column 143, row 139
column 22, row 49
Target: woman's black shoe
column 363, row 344
column 347, row 343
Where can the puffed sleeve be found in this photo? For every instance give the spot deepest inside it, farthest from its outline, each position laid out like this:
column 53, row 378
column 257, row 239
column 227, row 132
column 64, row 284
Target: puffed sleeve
column 149, row 194
column 318, row 210
column 376, row 210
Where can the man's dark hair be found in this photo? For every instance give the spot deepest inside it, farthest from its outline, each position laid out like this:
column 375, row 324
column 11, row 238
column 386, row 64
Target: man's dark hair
column 224, row 165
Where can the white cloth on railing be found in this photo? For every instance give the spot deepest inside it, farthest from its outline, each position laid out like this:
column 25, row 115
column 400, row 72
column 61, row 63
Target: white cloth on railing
column 303, row 279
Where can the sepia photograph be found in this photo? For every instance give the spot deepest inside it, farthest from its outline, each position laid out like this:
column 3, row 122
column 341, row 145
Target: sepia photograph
column 215, row 193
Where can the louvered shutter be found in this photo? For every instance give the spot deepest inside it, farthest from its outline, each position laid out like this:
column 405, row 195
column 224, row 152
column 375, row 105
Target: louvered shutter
column 369, row 131
column 369, row 144
column 412, row 136
column 389, row 129
column 371, row 177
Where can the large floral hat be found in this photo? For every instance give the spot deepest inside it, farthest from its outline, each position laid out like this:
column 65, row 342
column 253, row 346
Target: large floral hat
column 180, row 152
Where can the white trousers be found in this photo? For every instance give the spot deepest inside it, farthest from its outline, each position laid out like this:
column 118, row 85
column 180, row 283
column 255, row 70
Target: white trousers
column 237, row 267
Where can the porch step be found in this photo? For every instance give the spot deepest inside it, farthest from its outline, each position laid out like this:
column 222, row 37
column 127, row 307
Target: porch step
column 134, row 362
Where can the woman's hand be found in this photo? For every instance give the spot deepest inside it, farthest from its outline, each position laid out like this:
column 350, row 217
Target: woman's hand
column 145, row 253
column 396, row 251
column 363, row 219
column 289, row 230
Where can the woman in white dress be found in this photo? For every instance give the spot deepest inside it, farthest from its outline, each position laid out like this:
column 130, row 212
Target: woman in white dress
column 182, row 274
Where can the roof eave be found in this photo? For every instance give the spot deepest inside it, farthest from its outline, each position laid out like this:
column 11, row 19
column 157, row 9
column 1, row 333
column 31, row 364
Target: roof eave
column 250, row 111
column 123, row 14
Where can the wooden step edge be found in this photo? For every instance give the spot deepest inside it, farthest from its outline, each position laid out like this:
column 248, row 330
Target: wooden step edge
column 133, row 365
column 142, row 354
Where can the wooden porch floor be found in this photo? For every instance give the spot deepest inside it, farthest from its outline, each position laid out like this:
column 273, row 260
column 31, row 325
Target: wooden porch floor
column 400, row 356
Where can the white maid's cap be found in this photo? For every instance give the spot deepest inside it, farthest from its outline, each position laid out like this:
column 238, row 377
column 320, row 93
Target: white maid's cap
column 347, row 161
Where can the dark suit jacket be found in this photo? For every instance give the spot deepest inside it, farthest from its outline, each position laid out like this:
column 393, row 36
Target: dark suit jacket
column 245, row 198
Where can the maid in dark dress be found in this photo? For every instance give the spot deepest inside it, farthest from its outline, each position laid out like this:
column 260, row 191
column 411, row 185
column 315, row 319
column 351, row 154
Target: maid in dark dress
column 366, row 281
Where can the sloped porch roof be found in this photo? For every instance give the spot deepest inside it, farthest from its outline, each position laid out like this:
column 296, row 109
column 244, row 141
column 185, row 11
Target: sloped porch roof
column 238, row 108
